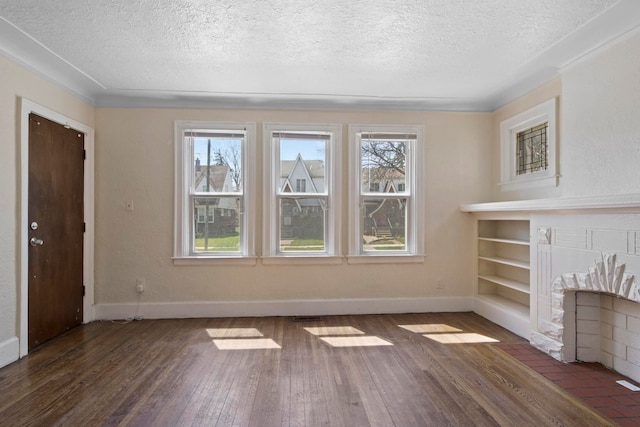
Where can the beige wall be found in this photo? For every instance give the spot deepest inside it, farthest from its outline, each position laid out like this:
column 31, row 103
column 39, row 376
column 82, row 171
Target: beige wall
column 134, row 152
column 15, row 83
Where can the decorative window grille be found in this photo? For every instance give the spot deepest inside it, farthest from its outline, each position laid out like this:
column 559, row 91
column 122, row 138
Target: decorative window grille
column 532, row 150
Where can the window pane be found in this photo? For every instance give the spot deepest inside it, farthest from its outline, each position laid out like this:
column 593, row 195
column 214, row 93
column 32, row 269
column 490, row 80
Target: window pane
column 216, row 224
column 383, row 165
column 532, row 150
column 384, row 224
column 302, row 223
column 217, row 164
column 302, row 165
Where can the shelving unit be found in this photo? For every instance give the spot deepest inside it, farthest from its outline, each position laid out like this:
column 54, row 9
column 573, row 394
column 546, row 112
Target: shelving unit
column 503, row 291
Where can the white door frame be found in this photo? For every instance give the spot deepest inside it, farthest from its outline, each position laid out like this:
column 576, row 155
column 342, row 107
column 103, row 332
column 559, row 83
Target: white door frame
column 28, row 107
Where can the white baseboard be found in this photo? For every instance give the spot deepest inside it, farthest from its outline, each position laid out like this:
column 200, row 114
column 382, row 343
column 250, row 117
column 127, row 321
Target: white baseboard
column 9, row 351
column 502, row 315
column 177, row 310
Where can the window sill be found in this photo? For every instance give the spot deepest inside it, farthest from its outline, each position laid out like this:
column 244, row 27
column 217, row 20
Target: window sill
column 302, row 260
column 533, row 182
column 385, row 259
column 215, row 260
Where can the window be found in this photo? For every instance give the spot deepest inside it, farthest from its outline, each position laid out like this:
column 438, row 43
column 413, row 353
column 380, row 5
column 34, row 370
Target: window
column 528, row 148
column 386, row 184
column 301, row 195
column 212, row 207
column 532, row 153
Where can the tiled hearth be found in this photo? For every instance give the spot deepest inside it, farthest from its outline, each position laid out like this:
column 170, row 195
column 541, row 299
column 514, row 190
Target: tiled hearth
column 592, row 383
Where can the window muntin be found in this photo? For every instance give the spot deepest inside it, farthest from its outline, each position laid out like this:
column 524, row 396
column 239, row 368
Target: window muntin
column 300, row 199
column 386, row 215
column 211, row 198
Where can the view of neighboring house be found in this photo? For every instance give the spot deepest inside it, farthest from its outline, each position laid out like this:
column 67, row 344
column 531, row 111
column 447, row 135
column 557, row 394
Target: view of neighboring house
column 384, row 218
column 302, row 218
column 214, row 216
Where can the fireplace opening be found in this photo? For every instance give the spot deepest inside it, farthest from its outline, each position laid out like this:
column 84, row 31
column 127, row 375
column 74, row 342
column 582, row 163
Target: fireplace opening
column 607, row 330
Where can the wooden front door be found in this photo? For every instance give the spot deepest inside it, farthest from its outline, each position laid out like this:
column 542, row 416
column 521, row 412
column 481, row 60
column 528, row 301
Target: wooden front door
column 56, row 227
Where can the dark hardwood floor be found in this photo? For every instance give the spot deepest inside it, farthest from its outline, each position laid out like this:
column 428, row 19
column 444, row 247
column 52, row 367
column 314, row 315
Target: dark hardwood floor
column 209, row 372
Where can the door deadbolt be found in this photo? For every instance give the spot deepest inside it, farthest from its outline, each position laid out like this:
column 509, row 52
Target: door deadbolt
column 34, row 225
column 36, row 242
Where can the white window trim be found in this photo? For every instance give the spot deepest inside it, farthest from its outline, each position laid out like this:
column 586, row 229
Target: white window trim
column 509, row 128
column 182, row 254
column 333, row 169
column 415, row 205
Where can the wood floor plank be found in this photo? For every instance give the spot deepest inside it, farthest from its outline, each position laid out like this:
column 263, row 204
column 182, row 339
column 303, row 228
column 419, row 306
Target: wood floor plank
column 173, row 373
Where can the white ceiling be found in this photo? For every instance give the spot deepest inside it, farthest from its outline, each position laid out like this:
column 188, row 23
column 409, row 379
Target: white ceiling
column 369, row 54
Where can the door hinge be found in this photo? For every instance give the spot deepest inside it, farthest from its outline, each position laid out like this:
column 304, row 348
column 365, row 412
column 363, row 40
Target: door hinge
column 84, row 227
column 84, row 290
column 84, row 154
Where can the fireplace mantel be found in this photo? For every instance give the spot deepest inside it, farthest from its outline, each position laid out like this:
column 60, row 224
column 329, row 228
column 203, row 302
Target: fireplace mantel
column 617, row 203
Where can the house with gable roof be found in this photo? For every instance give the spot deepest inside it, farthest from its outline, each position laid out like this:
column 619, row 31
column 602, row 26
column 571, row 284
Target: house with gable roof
column 214, row 217
column 384, row 218
column 302, row 217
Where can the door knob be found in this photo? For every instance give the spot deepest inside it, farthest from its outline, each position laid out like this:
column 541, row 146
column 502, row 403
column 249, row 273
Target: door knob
column 35, row 242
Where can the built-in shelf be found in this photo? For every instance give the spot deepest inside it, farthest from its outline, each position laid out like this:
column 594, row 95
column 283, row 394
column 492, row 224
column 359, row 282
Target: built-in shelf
column 512, row 284
column 503, row 271
column 505, row 261
column 509, row 241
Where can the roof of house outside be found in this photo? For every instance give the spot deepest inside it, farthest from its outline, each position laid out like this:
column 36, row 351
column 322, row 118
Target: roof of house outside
column 314, row 167
column 217, row 176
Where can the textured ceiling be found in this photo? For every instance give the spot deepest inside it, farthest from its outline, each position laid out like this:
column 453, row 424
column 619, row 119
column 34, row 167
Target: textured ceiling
column 405, row 54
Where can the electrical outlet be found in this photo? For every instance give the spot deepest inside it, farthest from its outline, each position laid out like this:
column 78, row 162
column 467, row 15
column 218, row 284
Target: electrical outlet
column 140, row 285
column 439, row 284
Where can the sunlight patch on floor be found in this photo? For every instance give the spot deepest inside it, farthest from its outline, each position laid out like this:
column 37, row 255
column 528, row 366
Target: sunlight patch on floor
column 368, row 341
column 447, row 334
column 430, row 328
column 246, row 344
column 333, row 330
column 460, row 338
column 233, row 332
